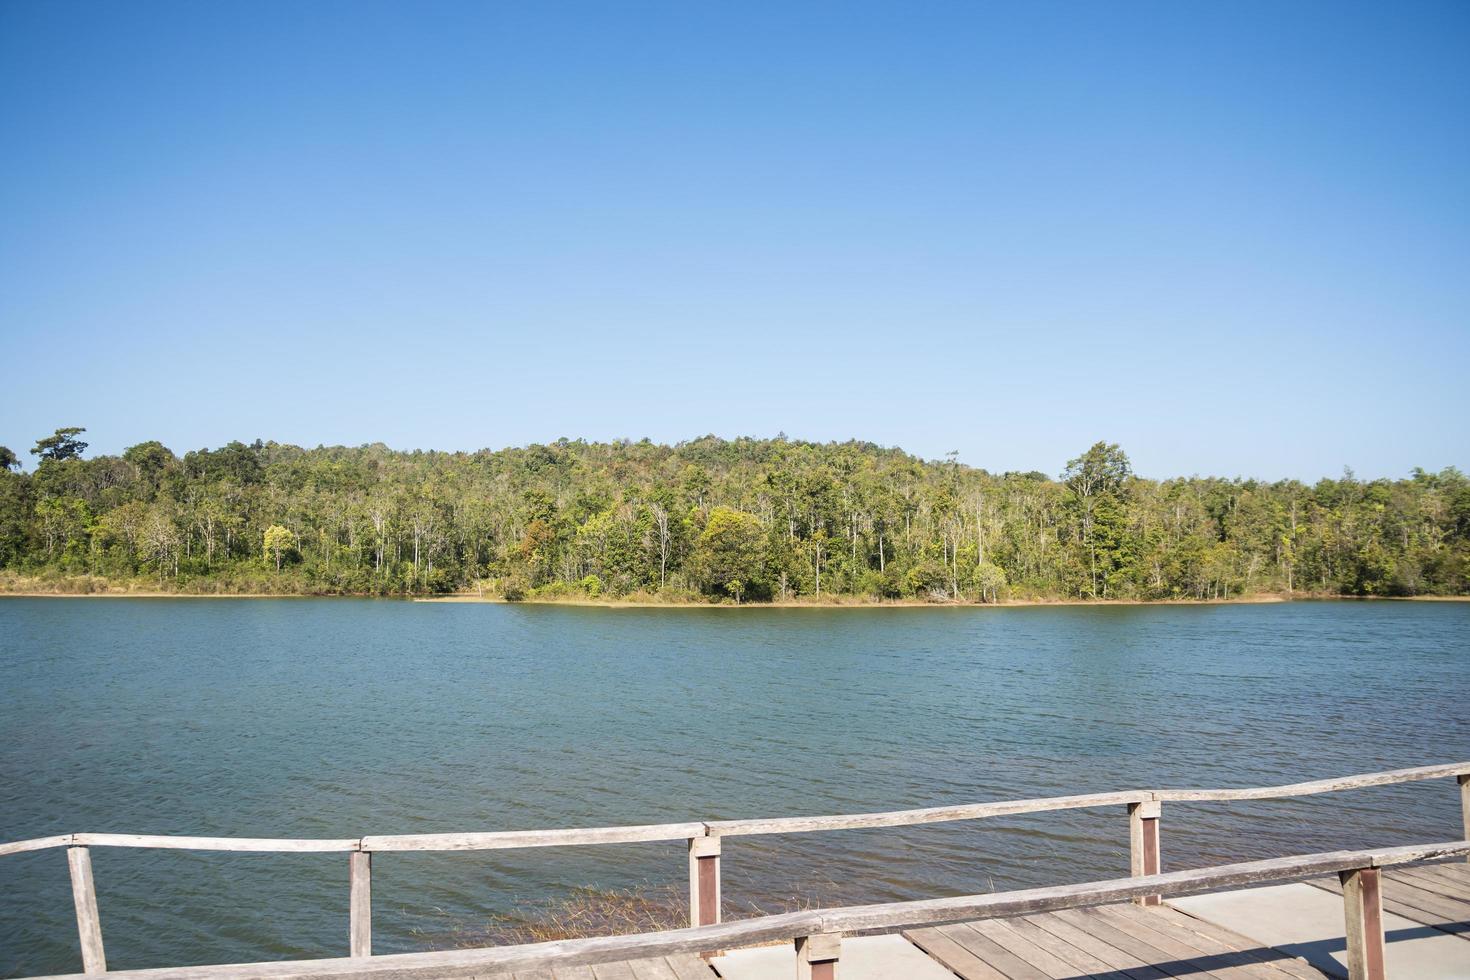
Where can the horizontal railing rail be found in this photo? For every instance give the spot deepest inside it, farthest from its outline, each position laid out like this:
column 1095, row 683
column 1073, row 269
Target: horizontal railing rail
column 497, row 840
column 703, row 838
column 805, row 925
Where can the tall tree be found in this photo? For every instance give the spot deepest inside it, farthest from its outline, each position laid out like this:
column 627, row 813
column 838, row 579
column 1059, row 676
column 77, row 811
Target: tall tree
column 63, row 444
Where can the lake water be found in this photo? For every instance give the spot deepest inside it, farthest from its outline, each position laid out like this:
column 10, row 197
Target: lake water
column 338, row 718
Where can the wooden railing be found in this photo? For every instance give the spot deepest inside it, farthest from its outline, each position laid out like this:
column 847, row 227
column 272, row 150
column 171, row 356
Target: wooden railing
column 814, row 930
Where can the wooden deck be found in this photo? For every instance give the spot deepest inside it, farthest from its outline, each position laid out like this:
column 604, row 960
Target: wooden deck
column 1437, row 895
column 1128, row 941
column 1108, row 942
column 1116, row 942
column 686, row 967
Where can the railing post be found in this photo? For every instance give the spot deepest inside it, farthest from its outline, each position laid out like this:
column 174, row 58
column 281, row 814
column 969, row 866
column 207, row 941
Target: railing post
column 1464, row 780
column 704, row 881
column 84, row 897
column 360, row 886
column 1362, row 902
column 1143, row 843
column 816, row 956
column 704, row 884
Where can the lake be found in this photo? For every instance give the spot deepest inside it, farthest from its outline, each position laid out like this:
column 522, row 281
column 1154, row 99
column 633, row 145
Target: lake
column 339, row 717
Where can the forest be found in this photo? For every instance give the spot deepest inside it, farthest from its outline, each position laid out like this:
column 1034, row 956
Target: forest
column 742, row 520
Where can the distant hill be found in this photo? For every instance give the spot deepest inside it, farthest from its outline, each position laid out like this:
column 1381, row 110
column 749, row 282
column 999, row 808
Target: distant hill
column 742, row 519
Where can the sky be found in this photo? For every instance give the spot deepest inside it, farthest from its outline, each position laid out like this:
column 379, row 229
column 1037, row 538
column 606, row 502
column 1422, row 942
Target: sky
column 1233, row 238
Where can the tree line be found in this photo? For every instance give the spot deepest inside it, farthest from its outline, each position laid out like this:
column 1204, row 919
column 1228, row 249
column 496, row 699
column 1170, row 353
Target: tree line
column 736, row 520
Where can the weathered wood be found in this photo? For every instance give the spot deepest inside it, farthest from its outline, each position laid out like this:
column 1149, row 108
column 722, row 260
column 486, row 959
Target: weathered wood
column 1464, row 780
column 36, row 844
column 1120, row 963
column 982, row 946
column 654, row 969
column 1082, row 962
column 704, row 881
column 1292, row 966
column 360, row 914
column 940, row 946
column 1450, row 880
column 1319, row 785
column 1362, row 901
column 904, row 818
column 1181, row 945
column 690, row 968
column 817, row 955
column 1143, row 843
column 789, row 925
column 84, row 897
column 1406, row 897
column 1000, row 932
column 1142, row 950
column 532, row 838
column 935, row 911
column 274, row 844
column 728, row 828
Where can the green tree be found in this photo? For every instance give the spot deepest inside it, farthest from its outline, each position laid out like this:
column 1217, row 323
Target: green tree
column 1098, row 480
column 61, row 445
column 730, row 553
column 150, row 461
column 278, row 541
column 8, row 459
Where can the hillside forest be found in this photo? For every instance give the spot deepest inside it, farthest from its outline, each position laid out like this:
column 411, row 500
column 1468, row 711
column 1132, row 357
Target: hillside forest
column 742, row 520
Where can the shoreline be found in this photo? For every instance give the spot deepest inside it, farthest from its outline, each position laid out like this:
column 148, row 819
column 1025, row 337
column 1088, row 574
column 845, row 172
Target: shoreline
column 840, row 603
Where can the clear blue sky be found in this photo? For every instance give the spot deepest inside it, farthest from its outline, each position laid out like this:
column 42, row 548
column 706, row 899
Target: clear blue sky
column 1233, row 237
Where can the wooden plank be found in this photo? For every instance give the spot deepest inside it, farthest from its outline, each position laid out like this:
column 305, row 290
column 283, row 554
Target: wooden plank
column 704, row 881
column 620, row 970
column 779, row 825
column 817, row 956
column 999, row 931
column 993, row 953
column 654, row 969
column 533, row 838
column 1028, row 901
column 1094, row 923
column 1320, row 785
column 37, row 844
column 1081, row 961
column 360, row 903
column 1401, row 898
column 1464, row 780
column 935, row 814
column 274, row 844
column 1117, row 959
column 84, row 897
column 1432, row 903
column 1143, row 843
column 1363, row 915
column 1290, row 965
column 940, row 947
column 1209, row 961
column 1451, row 881
column 1227, row 951
column 690, row 968
column 573, row 973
